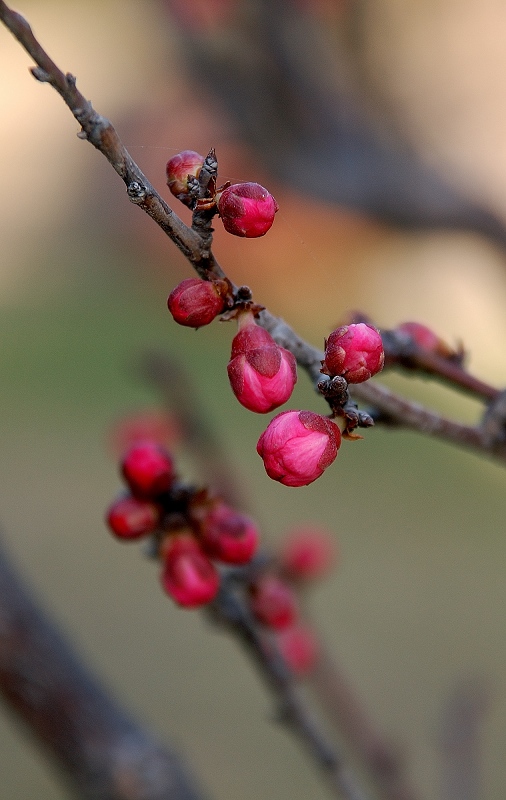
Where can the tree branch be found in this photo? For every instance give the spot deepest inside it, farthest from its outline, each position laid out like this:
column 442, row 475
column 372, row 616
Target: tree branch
column 101, row 752
column 99, row 131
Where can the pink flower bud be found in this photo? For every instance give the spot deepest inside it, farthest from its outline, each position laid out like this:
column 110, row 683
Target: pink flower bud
column 355, row 352
column 188, row 576
column 273, row 602
column 227, row 535
column 247, row 209
column 195, row 302
column 148, row 469
column 307, row 553
column 299, row 647
column 298, row 446
column 262, row 374
column 132, row 517
column 178, row 168
column 425, row 338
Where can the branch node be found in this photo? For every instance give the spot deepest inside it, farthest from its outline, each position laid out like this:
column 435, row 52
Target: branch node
column 136, row 192
column 71, row 79
column 40, row 74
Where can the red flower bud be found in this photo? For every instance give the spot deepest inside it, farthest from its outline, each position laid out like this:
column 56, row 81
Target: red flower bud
column 299, row 647
column 273, row 602
column 298, row 446
column 354, row 351
column 307, row 553
column 148, row 469
column 188, row 576
column 425, row 338
column 195, row 302
column 132, row 517
column 247, row 209
column 150, row 423
column 178, row 168
column 227, row 535
column 262, row 374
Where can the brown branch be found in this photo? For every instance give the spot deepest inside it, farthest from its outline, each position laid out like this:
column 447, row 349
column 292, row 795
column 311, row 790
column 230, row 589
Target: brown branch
column 99, row 131
column 101, row 752
column 293, row 710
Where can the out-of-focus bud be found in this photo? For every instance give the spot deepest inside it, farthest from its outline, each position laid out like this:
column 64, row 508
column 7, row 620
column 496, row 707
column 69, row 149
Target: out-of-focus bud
column 188, row 576
column 262, row 374
column 139, row 426
column 299, row 647
column 132, row 517
column 425, row 338
column 227, row 535
column 148, row 469
column 355, row 352
column 247, row 209
column 195, row 302
column 308, row 552
column 273, row 602
column 298, row 446
column 178, row 168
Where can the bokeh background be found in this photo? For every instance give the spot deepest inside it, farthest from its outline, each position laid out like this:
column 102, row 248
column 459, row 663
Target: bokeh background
column 417, row 605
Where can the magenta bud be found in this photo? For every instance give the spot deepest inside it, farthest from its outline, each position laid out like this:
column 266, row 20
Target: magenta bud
column 188, row 576
column 355, row 352
column 298, row 446
column 425, row 338
column 148, row 469
column 308, row 552
column 300, row 648
column 247, row 209
column 178, row 168
column 273, row 602
column 132, row 517
column 195, row 302
column 262, row 374
column 227, row 535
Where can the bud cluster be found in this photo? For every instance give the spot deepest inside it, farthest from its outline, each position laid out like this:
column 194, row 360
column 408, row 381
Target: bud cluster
column 246, row 209
column 297, row 446
column 191, row 530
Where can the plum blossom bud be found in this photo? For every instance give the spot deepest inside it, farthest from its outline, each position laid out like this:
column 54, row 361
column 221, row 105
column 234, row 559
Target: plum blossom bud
column 273, row 602
column 298, row 446
column 308, row 552
column 299, row 647
column 178, row 168
column 355, row 352
column 148, row 469
column 425, row 338
column 247, row 209
column 262, row 374
column 188, row 576
column 227, row 535
column 132, row 517
column 195, row 302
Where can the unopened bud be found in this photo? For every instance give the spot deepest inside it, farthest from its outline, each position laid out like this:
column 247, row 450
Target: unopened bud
column 273, row 602
column 227, row 535
column 298, row 446
column 247, row 209
column 178, row 168
column 355, row 352
column 262, row 374
column 148, row 469
column 188, row 576
column 195, row 302
column 133, row 517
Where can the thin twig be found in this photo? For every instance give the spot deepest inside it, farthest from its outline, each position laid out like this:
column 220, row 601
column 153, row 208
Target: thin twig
column 293, row 711
column 100, row 132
